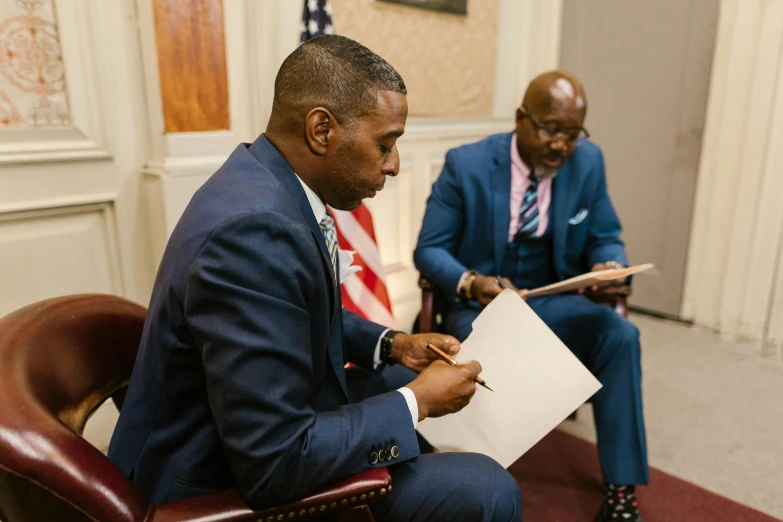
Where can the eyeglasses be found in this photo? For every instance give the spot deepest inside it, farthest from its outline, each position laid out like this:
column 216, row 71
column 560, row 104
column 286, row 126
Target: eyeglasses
column 550, row 133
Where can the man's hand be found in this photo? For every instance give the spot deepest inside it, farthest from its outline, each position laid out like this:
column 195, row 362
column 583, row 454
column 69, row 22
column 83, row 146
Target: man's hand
column 486, row 288
column 608, row 290
column 442, row 389
column 411, row 350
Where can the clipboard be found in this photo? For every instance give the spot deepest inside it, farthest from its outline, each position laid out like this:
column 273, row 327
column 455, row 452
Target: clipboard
column 589, row 279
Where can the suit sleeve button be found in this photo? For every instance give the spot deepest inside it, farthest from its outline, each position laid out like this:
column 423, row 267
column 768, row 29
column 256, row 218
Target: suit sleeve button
column 394, row 452
column 374, row 457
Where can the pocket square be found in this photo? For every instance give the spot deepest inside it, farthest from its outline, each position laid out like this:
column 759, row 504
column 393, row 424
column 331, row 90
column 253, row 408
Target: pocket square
column 579, row 217
column 346, row 270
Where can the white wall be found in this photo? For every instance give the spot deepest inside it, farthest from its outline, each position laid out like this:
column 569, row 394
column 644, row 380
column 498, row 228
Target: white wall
column 734, row 282
column 70, row 216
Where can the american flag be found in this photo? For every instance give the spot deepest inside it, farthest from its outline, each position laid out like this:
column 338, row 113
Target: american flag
column 364, row 292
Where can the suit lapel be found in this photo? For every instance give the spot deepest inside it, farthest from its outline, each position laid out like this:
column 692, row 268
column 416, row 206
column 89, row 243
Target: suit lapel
column 336, row 347
column 561, row 201
column 500, row 182
column 266, row 153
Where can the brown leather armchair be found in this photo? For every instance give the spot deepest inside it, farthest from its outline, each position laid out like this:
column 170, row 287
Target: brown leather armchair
column 59, row 360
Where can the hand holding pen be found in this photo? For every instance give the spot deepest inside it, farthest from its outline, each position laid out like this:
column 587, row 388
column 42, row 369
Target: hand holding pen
column 437, row 351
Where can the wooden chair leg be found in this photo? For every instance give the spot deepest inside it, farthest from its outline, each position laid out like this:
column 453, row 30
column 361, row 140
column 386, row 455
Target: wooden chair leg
column 426, row 317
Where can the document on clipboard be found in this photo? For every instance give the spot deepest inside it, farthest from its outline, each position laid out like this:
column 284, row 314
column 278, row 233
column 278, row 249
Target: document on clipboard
column 589, row 279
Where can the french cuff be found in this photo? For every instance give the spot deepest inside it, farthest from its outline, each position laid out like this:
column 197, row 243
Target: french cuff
column 462, row 281
column 413, row 406
column 615, row 264
column 376, row 358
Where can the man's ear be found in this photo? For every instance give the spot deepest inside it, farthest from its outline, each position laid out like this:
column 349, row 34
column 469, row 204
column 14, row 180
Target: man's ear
column 521, row 113
column 322, row 131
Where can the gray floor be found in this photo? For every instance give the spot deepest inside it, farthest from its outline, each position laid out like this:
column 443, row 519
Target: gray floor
column 713, row 413
column 712, row 408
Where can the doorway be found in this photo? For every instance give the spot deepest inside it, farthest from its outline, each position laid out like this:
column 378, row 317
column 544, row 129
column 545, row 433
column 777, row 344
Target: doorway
column 646, row 67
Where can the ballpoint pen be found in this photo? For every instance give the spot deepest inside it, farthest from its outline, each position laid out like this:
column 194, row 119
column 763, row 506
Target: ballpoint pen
column 500, row 282
column 443, row 355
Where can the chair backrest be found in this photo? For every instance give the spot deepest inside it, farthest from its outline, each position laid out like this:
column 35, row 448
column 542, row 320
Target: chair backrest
column 60, row 359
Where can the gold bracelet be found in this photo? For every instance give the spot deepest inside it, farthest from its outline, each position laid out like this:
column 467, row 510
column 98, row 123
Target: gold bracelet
column 469, row 286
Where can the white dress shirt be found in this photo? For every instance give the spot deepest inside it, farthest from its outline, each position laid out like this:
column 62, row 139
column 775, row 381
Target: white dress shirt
column 319, row 211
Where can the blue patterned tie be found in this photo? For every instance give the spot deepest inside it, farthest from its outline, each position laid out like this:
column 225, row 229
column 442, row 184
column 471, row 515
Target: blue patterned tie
column 328, row 230
column 528, row 212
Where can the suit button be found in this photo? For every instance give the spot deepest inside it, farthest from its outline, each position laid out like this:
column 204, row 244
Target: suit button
column 395, row 452
column 374, row 457
column 381, row 455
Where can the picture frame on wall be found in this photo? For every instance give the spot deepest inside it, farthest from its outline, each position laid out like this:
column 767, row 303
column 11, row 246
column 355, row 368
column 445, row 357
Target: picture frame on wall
column 459, row 7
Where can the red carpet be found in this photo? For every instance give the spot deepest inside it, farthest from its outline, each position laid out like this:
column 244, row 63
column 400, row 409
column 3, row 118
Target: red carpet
column 561, row 482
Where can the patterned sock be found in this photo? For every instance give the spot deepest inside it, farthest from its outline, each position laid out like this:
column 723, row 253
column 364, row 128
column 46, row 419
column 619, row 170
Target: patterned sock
column 619, row 505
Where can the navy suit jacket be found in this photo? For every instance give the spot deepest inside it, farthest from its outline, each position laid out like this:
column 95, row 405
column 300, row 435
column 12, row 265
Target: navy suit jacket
column 239, row 380
column 467, row 218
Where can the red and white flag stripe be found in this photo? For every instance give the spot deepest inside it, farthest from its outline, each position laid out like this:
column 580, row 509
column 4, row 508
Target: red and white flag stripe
column 364, row 292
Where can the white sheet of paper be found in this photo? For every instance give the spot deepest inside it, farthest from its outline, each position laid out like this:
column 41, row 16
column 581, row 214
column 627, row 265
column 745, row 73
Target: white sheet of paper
column 538, row 382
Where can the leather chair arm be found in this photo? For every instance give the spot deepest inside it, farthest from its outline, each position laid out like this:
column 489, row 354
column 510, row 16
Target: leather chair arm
column 228, row 506
column 426, row 319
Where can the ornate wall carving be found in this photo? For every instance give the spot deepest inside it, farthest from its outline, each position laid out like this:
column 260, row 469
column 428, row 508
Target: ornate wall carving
column 32, row 75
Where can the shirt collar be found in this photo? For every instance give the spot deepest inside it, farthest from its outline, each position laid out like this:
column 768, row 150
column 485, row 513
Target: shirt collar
column 516, row 159
column 319, row 209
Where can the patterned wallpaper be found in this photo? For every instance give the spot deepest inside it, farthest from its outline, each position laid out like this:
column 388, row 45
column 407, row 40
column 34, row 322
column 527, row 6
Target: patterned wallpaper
column 32, row 78
column 447, row 61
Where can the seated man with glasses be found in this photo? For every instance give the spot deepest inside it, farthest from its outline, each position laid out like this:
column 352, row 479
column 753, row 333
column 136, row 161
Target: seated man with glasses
column 527, row 209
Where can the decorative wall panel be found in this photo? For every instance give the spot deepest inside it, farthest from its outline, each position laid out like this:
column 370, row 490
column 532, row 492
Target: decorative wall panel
column 192, row 64
column 32, row 75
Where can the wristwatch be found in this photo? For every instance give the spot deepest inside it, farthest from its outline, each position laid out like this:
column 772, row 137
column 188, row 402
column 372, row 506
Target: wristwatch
column 615, row 264
column 466, row 290
column 386, row 346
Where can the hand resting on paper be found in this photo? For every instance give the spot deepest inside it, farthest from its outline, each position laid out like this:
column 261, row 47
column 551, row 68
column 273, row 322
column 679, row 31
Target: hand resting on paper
column 607, row 291
column 441, row 389
column 486, row 288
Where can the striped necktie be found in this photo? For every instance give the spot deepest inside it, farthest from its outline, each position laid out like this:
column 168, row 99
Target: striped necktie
column 330, row 235
column 528, row 212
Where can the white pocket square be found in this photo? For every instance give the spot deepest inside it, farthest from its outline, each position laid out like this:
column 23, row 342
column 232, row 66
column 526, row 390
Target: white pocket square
column 346, row 270
column 579, row 217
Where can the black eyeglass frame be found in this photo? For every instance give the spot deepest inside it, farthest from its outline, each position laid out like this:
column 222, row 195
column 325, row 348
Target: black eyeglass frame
column 551, row 135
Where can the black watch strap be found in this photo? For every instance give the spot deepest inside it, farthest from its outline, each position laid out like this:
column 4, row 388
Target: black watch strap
column 386, row 346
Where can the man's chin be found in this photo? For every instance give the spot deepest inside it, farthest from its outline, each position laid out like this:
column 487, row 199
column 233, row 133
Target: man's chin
column 546, row 173
column 348, row 206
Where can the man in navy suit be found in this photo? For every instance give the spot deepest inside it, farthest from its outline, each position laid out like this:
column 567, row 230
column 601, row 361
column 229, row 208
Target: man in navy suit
column 240, row 379
column 532, row 208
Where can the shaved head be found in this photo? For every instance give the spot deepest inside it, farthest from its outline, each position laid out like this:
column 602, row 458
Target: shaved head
column 555, row 88
column 550, row 121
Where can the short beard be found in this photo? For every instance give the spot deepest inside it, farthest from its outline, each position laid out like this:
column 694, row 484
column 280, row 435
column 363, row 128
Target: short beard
column 545, row 173
column 344, row 188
